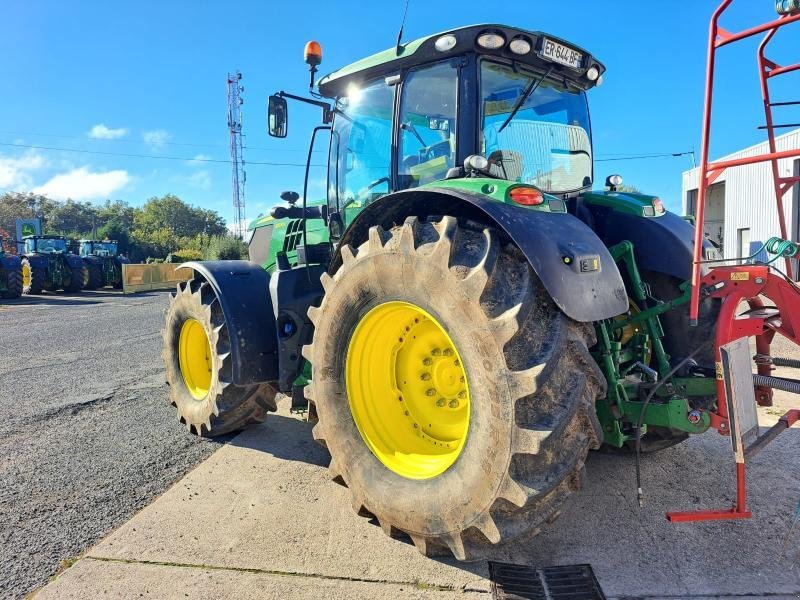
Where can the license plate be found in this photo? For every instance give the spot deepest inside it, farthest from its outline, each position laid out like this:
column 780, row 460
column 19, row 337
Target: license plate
column 561, row 54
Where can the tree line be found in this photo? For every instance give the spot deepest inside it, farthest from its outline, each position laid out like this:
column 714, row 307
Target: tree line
column 162, row 228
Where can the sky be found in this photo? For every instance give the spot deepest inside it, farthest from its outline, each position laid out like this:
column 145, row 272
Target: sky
column 86, row 82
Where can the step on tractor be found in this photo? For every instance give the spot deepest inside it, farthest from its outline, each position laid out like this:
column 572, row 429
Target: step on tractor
column 464, row 316
column 10, row 274
column 102, row 264
column 48, row 265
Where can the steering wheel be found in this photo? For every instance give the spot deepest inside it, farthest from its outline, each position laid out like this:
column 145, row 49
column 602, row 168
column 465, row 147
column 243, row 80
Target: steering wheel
column 364, row 191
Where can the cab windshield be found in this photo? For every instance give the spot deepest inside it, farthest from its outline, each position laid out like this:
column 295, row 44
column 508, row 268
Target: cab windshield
column 46, row 245
column 105, row 248
column 547, row 142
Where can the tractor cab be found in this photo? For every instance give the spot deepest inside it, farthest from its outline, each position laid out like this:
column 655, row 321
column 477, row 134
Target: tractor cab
column 483, row 101
column 97, row 248
column 45, row 244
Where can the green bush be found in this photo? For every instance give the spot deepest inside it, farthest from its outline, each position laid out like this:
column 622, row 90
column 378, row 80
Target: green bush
column 226, row 248
column 184, row 255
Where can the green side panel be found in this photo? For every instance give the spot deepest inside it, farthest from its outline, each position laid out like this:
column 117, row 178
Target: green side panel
column 640, row 205
column 287, row 235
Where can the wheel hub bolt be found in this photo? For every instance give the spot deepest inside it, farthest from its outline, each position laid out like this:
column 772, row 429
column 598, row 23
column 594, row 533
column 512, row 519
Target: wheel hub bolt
column 447, row 352
column 425, row 376
column 461, row 379
column 427, row 361
column 453, row 403
column 456, row 362
column 430, row 392
column 436, row 352
column 440, row 402
column 462, row 394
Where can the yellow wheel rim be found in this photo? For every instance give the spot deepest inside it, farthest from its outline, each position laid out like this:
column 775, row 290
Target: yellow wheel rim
column 408, row 390
column 26, row 275
column 194, row 356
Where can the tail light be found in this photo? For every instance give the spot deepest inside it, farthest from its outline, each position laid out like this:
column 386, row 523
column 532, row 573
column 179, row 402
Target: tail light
column 526, row 196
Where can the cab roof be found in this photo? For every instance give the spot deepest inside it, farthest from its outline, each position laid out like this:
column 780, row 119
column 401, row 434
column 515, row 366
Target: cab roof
column 424, row 50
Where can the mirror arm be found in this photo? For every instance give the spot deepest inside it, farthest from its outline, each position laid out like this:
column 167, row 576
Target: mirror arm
column 327, row 109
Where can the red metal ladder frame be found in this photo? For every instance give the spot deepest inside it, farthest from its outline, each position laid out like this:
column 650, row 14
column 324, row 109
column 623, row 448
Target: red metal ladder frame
column 735, row 284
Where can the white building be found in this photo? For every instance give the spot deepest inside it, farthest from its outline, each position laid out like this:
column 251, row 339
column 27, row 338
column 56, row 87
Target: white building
column 741, row 212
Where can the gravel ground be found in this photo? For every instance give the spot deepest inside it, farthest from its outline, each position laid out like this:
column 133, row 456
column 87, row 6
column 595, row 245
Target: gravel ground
column 87, row 436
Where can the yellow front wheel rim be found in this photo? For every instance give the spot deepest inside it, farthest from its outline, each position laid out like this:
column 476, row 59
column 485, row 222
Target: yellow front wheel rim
column 408, row 390
column 26, row 275
column 194, row 356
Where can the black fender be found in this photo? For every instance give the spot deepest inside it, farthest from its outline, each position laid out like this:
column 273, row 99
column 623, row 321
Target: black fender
column 37, row 261
column 242, row 290
column 91, row 260
column 74, row 261
column 664, row 244
column 573, row 264
column 10, row 262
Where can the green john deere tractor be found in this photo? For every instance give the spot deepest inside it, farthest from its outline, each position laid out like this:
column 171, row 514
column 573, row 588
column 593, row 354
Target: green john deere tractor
column 465, row 317
column 102, row 264
column 48, row 265
column 10, row 274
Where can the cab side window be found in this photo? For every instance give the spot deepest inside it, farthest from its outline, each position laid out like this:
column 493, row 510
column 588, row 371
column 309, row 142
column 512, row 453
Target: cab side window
column 361, row 149
column 427, row 138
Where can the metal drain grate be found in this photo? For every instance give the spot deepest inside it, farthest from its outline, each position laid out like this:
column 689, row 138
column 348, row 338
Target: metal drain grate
column 521, row 582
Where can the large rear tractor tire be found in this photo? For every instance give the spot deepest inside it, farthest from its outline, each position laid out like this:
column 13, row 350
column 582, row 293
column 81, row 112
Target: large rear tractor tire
column 92, row 276
column 197, row 356
column 74, row 282
column 13, row 284
column 456, row 400
column 33, row 278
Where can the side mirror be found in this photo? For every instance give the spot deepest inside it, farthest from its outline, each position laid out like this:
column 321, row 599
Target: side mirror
column 277, row 116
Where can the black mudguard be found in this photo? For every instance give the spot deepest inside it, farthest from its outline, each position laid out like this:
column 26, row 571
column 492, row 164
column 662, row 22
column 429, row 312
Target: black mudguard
column 74, row 261
column 561, row 249
column 242, row 289
column 664, row 244
column 10, row 262
column 37, row 261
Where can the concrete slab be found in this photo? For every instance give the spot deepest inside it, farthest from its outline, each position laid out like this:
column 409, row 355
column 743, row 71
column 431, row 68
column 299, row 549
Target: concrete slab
column 263, row 506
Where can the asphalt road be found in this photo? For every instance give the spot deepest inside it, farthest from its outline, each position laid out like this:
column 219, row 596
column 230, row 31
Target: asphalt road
column 87, row 436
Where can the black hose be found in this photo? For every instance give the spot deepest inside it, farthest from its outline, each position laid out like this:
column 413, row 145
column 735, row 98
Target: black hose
column 654, row 389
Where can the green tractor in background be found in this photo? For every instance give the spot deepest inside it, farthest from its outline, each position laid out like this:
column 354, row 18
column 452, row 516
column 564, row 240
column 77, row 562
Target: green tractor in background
column 102, row 264
column 10, row 274
column 463, row 315
column 48, row 265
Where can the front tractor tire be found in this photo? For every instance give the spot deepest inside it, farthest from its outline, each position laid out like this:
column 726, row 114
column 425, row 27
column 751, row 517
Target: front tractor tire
column 197, row 357
column 455, row 398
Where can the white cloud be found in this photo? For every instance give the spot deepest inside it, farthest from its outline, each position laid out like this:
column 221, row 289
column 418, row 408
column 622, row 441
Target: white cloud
column 15, row 171
column 82, row 184
column 101, row 132
column 200, row 180
column 157, row 137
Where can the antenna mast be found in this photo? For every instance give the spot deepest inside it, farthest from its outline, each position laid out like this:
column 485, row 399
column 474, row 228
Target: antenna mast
column 238, row 175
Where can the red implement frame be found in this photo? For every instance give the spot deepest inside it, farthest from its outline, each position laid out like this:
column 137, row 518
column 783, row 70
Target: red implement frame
column 750, row 283
column 710, row 171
